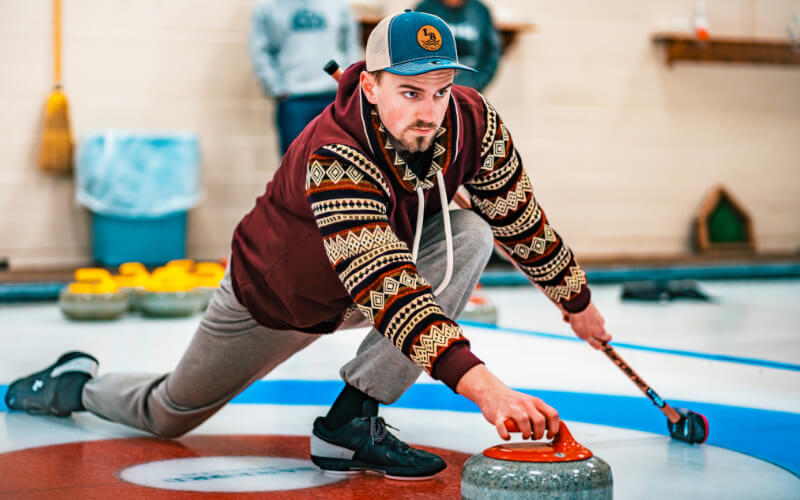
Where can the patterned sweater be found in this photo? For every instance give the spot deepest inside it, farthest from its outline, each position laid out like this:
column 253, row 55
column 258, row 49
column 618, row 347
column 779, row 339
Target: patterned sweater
column 360, row 197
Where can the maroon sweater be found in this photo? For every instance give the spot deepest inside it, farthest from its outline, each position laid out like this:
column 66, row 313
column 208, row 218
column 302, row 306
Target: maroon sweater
column 331, row 234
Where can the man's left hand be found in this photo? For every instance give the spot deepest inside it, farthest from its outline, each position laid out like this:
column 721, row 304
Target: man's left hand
column 589, row 325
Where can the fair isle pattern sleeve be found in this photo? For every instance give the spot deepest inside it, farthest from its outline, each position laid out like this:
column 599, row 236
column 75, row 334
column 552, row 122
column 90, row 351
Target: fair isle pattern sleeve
column 502, row 194
column 349, row 197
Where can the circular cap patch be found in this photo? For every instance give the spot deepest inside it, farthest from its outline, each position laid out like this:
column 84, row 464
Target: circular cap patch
column 429, row 38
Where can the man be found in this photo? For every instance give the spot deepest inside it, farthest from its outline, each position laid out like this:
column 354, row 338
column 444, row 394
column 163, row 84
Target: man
column 349, row 232
column 477, row 40
column 289, row 41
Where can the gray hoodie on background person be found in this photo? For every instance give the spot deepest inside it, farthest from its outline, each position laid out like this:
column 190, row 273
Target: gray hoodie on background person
column 291, row 40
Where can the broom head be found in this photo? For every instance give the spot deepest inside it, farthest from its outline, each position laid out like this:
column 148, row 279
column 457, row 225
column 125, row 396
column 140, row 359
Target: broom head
column 55, row 155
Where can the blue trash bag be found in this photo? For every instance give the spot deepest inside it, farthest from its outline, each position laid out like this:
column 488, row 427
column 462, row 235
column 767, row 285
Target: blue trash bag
column 138, row 175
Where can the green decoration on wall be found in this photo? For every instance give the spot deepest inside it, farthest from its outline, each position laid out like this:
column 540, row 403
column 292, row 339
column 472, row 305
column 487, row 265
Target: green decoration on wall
column 726, row 224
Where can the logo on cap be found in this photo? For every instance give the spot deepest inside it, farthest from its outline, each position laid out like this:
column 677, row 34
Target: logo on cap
column 429, row 38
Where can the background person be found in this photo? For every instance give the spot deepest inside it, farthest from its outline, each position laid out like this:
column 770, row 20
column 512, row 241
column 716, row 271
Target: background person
column 290, row 40
column 477, row 41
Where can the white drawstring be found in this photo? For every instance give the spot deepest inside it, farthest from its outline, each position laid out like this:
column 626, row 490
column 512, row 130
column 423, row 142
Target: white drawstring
column 448, row 237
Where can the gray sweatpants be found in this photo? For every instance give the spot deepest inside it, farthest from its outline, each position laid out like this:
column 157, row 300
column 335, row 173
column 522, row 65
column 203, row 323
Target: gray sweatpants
column 230, row 350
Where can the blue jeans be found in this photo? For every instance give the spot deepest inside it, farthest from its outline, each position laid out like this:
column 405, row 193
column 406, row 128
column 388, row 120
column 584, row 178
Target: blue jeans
column 294, row 113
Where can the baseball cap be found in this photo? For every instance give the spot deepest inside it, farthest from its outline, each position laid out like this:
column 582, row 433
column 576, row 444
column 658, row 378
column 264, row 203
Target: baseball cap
column 412, row 43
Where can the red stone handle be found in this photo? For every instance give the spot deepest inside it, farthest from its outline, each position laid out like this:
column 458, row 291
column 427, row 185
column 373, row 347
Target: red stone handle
column 563, row 448
column 562, row 439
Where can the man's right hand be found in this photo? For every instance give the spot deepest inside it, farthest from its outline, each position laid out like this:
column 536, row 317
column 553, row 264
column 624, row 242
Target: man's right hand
column 498, row 403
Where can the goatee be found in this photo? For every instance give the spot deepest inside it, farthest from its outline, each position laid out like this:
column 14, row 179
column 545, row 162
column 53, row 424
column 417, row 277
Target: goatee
column 418, row 145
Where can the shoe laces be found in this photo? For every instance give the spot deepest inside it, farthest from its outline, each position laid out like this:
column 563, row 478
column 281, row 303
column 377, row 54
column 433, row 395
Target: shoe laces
column 378, row 429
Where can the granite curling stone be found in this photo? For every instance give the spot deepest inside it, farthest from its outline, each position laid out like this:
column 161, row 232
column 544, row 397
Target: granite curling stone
column 93, row 296
column 479, row 309
column 132, row 279
column 207, row 277
column 562, row 469
column 170, row 294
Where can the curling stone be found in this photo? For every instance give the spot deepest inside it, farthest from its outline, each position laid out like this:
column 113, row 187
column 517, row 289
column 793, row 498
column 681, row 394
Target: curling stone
column 132, row 279
column 93, row 296
column 207, row 276
column 185, row 264
column 170, row 294
column 562, row 469
column 479, row 309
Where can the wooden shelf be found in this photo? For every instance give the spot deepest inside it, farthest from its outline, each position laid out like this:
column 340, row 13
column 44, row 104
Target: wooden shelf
column 684, row 47
column 508, row 30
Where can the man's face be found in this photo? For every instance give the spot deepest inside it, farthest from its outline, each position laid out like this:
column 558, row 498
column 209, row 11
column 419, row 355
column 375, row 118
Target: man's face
column 410, row 107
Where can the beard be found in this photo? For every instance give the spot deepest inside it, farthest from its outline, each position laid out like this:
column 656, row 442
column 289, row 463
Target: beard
column 417, row 144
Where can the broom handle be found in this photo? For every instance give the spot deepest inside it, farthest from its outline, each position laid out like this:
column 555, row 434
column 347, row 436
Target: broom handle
column 672, row 415
column 57, row 42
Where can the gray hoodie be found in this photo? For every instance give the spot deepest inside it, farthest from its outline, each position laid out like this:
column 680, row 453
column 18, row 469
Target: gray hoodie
column 291, row 40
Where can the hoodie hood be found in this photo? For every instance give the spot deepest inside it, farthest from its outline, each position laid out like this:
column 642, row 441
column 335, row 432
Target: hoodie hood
column 373, row 136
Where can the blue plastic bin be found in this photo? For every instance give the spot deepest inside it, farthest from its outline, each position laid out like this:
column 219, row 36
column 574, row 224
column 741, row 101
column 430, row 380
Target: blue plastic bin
column 152, row 242
column 139, row 187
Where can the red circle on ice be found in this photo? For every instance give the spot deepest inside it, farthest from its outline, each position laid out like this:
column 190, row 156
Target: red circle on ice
column 99, row 469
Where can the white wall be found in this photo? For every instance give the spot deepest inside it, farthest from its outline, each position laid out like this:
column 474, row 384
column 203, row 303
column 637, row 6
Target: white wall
column 621, row 148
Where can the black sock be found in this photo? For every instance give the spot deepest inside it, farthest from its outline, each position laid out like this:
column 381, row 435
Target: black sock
column 69, row 391
column 350, row 404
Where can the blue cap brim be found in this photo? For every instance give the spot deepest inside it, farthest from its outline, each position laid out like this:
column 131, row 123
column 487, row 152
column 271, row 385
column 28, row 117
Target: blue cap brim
column 426, row 65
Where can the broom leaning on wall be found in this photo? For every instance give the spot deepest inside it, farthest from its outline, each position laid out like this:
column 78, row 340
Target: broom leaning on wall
column 55, row 154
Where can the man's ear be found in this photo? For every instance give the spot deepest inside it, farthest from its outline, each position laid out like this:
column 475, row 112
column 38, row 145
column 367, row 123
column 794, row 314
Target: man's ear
column 368, row 85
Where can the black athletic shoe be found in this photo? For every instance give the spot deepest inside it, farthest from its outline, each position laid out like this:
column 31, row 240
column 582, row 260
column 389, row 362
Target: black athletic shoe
column 56, row 390
column 364, row 444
